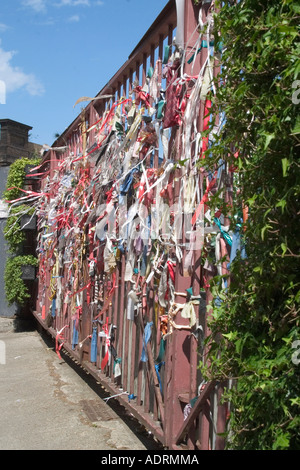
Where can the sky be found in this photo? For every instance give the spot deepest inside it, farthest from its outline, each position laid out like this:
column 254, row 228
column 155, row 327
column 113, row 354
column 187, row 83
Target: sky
column 53, row 52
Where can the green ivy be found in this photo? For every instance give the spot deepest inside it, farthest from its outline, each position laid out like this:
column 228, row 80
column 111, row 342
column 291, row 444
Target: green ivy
column 16, row 177
column 12, row 230
column 254, row 315
column 15, row 288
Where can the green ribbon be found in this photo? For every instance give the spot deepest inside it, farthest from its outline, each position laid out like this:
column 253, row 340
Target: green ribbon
column 150, row 72
column 117, row 360
column 204, row 45
column 161, row 353
column 224, row 234
column 166, row 55
column 160, row 107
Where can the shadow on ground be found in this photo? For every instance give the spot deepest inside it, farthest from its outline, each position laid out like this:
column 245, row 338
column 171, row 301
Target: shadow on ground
column 21, row 324
column 131, row 422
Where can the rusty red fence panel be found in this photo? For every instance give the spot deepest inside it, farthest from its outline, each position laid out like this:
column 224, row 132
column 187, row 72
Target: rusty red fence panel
column 131, row 306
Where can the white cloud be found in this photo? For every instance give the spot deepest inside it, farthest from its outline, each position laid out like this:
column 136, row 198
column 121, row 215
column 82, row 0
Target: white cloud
column 73, row 3
column 50, row 21
column 37, row 5
column 14, row 77
column 81, row 2
column 40, row 6
column 3, row 27
column 74, row 19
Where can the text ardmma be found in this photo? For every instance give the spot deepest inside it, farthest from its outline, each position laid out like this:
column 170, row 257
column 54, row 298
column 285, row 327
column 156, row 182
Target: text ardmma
column 171, row 459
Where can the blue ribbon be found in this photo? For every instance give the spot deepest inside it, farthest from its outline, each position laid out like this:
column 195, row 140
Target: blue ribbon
column 146, row 337
column 157, row 368
column 237, row 245
column 75, row 336
column 131, row 397
column 53, row 307
column 125, row 186
column 94, row 345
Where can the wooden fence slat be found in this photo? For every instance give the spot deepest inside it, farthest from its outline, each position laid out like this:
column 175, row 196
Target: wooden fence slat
column 186, row 425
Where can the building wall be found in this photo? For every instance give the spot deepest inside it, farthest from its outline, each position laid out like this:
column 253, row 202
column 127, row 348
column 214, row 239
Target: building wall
column 13, row 141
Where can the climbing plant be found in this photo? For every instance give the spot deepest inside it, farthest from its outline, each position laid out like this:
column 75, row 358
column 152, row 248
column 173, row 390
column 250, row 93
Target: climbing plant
column 16, row 177
column 254, row 315
column 16, row 289
column 12, row 230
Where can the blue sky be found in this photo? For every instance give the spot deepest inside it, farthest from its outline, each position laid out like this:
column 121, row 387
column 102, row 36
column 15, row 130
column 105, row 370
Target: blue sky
column 53, row 52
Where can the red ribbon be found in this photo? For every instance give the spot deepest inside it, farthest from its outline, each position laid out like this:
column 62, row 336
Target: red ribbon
column 59, row 337
column 205, row 198
column 29, row 194
column 141, row 96
column 171, row 270
column 205, row 127
column 88, row 286
column 108, row 300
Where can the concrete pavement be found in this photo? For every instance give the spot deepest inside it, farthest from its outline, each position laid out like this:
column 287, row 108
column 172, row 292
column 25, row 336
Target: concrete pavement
column 46, row 405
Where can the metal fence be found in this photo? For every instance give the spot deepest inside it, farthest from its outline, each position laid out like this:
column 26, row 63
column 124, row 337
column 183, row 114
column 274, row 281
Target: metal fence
column 123, row 228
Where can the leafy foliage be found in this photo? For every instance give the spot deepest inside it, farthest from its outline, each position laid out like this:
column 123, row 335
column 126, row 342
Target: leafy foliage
column 15, row 288
column 256, row 318
column 12, row 230
column 16, row 177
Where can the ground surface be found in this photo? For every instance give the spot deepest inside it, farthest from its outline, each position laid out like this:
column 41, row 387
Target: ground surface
column 45, row 404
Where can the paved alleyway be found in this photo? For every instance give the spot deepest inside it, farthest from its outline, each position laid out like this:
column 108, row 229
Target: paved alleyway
column 45, row 404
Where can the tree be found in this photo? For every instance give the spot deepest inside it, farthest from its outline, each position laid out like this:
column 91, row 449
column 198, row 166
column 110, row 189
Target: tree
column 255, row 324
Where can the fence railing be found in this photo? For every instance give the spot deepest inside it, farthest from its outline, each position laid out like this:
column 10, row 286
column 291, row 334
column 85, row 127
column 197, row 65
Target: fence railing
column 122, row 227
